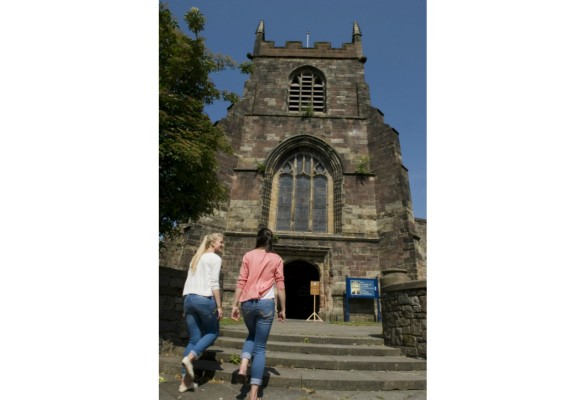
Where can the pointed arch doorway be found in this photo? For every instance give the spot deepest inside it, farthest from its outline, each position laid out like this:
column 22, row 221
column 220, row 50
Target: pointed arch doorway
column 297, row 278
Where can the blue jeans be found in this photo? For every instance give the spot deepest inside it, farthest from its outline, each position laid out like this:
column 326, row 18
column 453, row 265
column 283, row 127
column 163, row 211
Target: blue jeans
column 258, row 317
column 202, row 324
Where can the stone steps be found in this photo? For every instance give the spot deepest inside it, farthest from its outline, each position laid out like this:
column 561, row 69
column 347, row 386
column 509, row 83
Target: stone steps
column 323, row 379
column 348, row 349
column 318, row 361
column 311, row 360
column 309, row 337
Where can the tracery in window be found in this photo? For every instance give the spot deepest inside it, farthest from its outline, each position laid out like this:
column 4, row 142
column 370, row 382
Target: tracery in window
column 306, row 92
column 303, row 190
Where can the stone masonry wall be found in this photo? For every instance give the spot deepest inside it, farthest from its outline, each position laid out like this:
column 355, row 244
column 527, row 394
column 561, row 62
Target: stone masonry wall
column 334, row 259
column 393, row 201
column 171, row 322
column 421, row 232
column 404, row 317
column 270, row 85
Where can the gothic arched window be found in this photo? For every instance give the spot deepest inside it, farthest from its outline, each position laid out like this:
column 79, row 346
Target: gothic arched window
column 306, row 92
column 304, row 191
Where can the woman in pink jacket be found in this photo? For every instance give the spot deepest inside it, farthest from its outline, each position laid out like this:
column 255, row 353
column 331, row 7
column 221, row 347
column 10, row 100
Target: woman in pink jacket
column 261, row 279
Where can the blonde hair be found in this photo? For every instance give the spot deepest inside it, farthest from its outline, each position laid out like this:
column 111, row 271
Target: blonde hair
column 208, row 240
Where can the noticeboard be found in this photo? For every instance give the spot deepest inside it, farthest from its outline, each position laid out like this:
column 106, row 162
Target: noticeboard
column 361, row 288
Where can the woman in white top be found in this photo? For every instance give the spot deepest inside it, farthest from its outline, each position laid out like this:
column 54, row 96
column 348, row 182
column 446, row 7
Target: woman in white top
column 202, row 304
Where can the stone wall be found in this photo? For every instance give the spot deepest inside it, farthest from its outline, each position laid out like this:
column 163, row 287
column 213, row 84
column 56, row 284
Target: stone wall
column 404, row 317
column 421, row 233
column 333, row 257
column 170, row 307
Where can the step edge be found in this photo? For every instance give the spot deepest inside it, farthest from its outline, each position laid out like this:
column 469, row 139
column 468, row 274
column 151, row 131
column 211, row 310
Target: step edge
column 405, row 380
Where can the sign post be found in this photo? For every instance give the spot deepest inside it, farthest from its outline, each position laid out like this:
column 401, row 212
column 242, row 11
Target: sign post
column 361, row 288
column 315, row 292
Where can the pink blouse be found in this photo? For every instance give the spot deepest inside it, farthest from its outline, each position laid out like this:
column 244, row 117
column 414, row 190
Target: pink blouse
column 259, row 272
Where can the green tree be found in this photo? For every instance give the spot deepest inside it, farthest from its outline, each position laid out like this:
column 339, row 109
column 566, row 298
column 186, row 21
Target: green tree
column 189, row 187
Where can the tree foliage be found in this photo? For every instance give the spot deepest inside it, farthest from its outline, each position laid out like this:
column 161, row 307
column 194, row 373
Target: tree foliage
column 189, row 187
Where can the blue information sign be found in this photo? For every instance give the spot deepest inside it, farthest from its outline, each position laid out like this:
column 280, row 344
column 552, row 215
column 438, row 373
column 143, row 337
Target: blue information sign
column 361, row 288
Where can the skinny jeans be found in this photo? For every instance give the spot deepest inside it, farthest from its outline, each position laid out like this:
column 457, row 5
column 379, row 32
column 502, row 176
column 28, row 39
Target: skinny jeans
column 258, row 317
column 202, row 324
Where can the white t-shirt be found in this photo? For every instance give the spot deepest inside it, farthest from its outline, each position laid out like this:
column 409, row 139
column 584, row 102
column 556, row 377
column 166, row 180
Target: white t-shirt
column 206, row 276
column 269, row 294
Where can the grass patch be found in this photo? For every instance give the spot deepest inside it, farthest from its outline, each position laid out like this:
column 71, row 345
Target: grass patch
column 229, row 321
column 234, row 359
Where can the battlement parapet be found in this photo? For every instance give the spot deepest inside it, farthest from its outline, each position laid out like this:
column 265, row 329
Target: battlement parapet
column 320, row 50
column 295, row 49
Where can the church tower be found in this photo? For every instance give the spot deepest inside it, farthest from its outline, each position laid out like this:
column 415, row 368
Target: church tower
column 316, row 163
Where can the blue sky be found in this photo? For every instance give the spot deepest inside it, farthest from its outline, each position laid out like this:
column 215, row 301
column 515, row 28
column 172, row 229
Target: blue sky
column 394, row 41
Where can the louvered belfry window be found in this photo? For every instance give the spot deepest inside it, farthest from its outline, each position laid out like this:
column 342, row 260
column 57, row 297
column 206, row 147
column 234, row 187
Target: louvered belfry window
column 303, row 184
column 306, row 92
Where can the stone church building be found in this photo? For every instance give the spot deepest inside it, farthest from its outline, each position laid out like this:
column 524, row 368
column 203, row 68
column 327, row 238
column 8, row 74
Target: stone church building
column 315, row 162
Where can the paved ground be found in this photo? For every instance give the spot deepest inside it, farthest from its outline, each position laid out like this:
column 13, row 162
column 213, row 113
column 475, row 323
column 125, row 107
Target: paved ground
column 302, row 327
column 220, row 390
